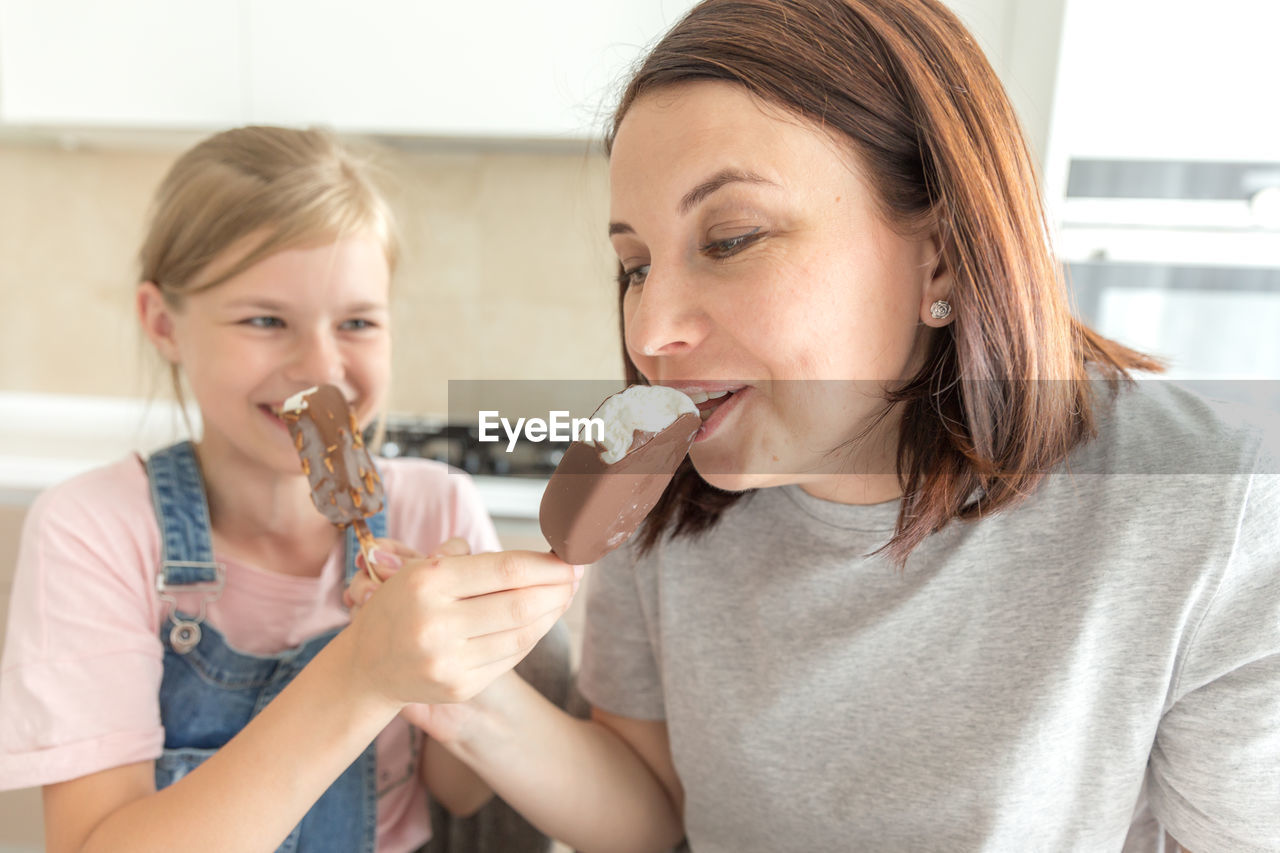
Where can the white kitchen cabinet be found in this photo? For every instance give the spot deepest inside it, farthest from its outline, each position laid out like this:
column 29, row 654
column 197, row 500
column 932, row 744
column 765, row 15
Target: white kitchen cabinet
column 1168, row 80
column 503, row 68
column 500, row 68
column 127, row 63
column 1163, row 172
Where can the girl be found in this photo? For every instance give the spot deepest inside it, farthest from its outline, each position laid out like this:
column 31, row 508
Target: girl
column 179, row 667
column 938, row 576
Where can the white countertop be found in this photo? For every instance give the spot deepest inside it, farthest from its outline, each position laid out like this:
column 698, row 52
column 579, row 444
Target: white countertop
column 48, row 438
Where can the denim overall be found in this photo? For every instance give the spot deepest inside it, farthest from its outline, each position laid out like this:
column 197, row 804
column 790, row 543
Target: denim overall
column 210, row 690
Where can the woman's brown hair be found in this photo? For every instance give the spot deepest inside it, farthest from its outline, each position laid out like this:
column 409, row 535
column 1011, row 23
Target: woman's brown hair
column 1005, row 392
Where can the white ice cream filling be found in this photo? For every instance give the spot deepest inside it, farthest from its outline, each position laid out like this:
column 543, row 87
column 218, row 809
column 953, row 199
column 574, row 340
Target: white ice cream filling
column 649, row 408
column 298, row 401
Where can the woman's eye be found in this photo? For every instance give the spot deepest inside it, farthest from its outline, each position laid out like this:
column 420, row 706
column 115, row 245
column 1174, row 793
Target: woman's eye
column 357, row 324
column 731, row 245
column 264, row 322
column 634, row 276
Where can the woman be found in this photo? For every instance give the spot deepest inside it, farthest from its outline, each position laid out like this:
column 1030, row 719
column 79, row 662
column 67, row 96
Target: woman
column 937, row 574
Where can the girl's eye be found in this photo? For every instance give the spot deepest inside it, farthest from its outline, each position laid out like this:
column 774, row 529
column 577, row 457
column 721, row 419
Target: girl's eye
column 634, row 276
column 264, row 322
column 357, row 324
column 731, row 245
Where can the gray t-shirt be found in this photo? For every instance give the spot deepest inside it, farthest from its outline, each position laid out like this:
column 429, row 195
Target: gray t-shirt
column 1104, row 655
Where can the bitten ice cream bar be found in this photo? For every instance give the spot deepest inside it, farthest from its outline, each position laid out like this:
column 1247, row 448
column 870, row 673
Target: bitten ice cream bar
column 345, row 486
column 602, row 490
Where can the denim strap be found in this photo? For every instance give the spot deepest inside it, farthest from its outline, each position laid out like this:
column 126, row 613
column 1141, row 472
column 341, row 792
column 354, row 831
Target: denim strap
column 177, row 493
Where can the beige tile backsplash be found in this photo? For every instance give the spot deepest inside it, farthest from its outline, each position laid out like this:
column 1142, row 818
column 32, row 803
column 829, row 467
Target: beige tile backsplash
column 505, row 273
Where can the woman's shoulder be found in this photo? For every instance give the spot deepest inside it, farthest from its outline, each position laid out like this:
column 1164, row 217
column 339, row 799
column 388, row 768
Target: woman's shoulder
column 1168, row 465
column 1158, row 426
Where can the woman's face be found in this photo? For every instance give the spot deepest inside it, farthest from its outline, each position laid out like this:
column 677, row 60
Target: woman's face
column 756, row 263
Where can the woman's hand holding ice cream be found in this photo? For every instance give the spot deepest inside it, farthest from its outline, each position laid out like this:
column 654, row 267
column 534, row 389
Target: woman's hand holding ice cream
column 444, row 626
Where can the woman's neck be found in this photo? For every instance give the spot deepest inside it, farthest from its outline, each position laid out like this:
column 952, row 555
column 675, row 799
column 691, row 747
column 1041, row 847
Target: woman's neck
column 858, row 489
column 868, row 472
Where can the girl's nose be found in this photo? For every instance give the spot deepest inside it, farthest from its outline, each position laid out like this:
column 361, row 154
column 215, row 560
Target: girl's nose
column 317, row 359
column 661, row 318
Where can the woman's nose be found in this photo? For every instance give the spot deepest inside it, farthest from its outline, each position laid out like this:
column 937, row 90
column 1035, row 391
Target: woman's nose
column 662, row 318
column 317, row 359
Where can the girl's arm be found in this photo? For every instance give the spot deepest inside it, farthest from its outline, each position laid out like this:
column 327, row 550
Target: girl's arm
column 248, row 795
column 605, row 784
column 445, row 629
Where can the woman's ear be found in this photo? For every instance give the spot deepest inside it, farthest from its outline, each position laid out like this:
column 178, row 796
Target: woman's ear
column 157, row 320
column 939, row 286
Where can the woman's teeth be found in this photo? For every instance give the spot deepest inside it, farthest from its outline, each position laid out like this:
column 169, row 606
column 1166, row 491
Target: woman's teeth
column 703, row 396
column 707, row 403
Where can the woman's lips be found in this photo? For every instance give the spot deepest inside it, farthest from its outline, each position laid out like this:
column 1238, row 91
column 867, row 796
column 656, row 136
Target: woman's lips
column 715, row 412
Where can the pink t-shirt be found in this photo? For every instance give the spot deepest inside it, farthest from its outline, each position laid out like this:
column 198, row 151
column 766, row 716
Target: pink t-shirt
column 80, row 676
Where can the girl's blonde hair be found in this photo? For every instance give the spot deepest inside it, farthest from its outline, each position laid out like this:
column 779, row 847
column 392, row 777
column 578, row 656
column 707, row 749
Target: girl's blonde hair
column 267, row 188
column 293, row 187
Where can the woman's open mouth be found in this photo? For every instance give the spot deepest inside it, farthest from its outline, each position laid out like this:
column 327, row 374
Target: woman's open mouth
column 715, row 406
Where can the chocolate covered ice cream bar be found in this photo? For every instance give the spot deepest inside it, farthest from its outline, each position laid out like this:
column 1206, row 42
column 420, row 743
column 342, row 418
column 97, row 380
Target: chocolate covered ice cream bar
column 602, row 490
column 345, row 486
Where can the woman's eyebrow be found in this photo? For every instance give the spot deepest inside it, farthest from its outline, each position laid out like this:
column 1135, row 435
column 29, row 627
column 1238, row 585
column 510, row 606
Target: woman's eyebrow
column 715, row 182
column 699, row 193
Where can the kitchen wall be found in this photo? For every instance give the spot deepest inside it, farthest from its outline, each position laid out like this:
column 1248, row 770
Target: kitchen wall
column 1022, row 41
column 506, row 270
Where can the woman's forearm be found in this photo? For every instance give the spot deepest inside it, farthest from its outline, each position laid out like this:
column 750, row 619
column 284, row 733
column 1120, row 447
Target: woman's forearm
column 573, row 779
column 454, row 784
column 252, row 792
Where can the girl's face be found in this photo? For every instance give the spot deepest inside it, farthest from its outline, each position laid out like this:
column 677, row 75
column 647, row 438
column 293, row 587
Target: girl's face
column 299, row 318
column 756, row 263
